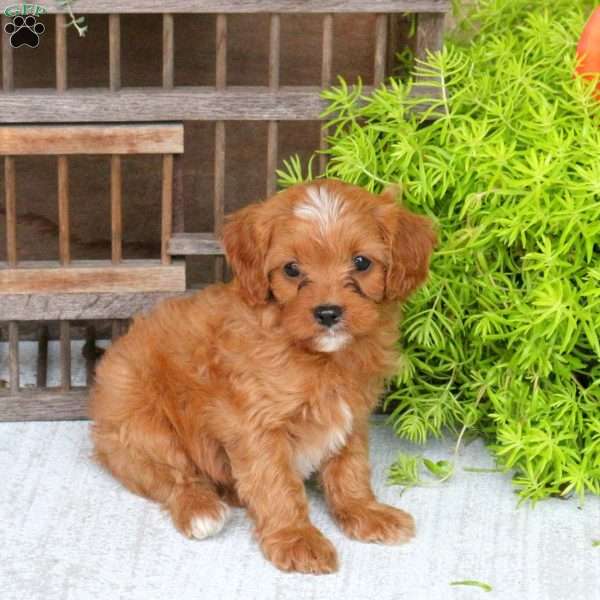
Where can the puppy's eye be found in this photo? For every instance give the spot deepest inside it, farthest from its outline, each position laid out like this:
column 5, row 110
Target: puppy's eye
column 291, row 269
column 362, row 263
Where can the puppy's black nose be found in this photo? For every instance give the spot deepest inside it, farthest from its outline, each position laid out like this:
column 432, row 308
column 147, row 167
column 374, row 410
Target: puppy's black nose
column 328, row 314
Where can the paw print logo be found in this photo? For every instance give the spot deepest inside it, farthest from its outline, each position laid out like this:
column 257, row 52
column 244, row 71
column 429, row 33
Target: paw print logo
column 24, row 31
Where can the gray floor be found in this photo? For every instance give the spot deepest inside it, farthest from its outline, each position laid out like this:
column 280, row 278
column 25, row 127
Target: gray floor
column 69, row 532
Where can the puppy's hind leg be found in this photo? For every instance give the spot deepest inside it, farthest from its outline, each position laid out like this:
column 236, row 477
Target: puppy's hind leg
column 157, row 467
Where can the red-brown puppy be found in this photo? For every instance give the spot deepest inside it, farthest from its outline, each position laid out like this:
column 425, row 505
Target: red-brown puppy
column 237, row 394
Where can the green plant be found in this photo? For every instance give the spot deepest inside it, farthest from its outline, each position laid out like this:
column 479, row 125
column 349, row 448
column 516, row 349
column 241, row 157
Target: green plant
column 77, row 22
column 504, row 339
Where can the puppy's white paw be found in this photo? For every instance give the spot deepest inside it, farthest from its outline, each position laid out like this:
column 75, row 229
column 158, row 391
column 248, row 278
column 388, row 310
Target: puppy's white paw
column 203, row 526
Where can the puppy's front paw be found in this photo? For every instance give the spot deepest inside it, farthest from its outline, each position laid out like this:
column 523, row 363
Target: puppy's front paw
column 376, row 523
column 303, row 549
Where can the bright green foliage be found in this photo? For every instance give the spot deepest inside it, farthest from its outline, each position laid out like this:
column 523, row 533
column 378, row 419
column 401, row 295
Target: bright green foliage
column 505, row 338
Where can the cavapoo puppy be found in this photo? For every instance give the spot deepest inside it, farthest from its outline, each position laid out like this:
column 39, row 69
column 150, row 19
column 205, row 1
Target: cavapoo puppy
column 237, row 394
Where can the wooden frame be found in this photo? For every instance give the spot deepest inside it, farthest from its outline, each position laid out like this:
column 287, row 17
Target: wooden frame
column 117, row 120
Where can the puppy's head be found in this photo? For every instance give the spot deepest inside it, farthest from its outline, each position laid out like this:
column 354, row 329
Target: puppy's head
column 330, row 256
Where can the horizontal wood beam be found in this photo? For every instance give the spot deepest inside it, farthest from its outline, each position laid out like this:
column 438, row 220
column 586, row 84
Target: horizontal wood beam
column 234, row 103
column 91, row 139
column 45, row 405
column 42, row 277
column 253, row 6
column 184, row 244
column 77, row 307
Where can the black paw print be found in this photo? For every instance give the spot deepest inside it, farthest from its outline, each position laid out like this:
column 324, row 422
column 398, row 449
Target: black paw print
column 24, row 31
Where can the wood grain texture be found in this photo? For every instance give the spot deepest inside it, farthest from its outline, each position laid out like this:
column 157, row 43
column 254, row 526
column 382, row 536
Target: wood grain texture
column 273, row 129
column 58, row 306
column 114, row 52
column 429, row 34
column 221, row 52
column 116, row 209
column 326, row 70
column 168, row 52
column 381, row 40
column 45, row 277
column 202, row 103
column 178, row 194
column 61, row 53
column 10, row 203
column 203, row 244
column 13, row 356
column 8, row 81
column 255, row 6
column 166, row 228
column 91, row 139
column 47, row 405
column 64, row 220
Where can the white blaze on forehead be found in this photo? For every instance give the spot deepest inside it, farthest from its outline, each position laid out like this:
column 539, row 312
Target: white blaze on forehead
column 321, row 206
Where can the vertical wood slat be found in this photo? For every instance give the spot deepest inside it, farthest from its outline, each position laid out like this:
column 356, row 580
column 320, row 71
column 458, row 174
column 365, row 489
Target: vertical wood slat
column 63, row 202
column 114, row 52
column 272, row 133
column 429, row 34
column 64, row 245
column 381, row 39
column 168, row 51
column 7, row 59
column 116, row 218
column 167, row 208
column 13, row 356
column 61, row 53
column 11, row 210
column 326, row 68
column 41, row 377
column 220, row 140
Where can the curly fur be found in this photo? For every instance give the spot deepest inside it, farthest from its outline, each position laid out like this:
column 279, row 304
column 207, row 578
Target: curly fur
column 237, row 393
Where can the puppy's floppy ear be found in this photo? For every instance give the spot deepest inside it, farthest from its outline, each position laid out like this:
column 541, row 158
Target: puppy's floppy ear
column 246, row 236
column 410, row 239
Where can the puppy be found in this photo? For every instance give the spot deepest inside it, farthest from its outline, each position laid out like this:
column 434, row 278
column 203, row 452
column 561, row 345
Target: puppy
column 237, row 394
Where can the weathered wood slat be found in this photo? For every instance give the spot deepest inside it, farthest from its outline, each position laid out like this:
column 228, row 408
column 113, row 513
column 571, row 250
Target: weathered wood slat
column 203, row 244
column 47, row 405
column 166, row 228
column 10, row 204
column 116, row 219
column 44, row 277
column 273, row 129
column 64, row 221
column 220, row 140
column 168, row 52
column 429, row 34
column 381, row 40
column 201, row 103
column 114, row 52
column 61, row 53
column 8, row 82
column 254, row 6
column 90, row 139
column 326, row 69
column 76, row 307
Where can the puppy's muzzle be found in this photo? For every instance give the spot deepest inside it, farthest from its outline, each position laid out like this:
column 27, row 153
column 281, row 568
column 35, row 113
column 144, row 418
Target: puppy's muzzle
column 328, row 315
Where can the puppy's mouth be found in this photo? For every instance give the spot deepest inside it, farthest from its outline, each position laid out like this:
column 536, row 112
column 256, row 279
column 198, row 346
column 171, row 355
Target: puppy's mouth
column 331, row 340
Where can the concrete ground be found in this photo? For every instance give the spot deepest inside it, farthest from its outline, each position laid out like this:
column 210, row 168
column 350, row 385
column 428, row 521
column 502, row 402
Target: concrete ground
column 69, row 532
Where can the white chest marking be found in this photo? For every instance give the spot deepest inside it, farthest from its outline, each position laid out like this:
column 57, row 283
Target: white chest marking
column 320, row 206
column 309, row 458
